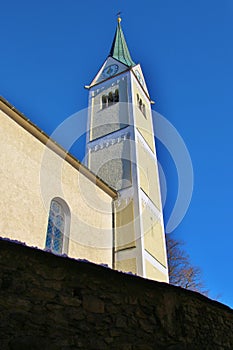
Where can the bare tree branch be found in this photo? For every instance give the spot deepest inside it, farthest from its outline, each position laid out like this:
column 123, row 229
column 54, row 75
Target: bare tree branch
column 181, row 271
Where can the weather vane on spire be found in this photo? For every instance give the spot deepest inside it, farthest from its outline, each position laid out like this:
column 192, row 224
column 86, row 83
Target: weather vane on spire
column 119, row 16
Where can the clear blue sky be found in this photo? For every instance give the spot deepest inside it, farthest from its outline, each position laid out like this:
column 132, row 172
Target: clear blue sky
column 51, row 49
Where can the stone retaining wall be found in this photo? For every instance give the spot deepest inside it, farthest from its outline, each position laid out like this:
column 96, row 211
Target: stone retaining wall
column 49, row 302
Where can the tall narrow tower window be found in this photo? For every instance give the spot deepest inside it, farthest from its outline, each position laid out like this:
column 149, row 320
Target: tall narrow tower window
column 110, row 98
column 116, row 96
column 104, row 101
column 141, row 105
column 58, row 227
column 144, row 110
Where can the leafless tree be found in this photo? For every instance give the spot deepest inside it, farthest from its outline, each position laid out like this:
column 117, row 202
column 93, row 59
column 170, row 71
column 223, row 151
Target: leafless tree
column 181, row 272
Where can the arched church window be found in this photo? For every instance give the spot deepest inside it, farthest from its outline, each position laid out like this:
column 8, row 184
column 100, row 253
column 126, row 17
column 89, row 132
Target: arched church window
column 116, row 96
column 144, row 110
column 58, row 227
column 104, row 101
column 110, row 98
column 141, row 105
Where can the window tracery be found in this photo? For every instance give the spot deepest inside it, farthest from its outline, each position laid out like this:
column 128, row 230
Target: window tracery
column 56, row 227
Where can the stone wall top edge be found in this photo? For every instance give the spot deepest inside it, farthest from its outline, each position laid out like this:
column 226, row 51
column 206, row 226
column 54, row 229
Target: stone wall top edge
column 130, row 281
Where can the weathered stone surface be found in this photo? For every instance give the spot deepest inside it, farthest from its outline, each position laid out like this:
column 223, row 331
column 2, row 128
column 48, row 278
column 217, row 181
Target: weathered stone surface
column 93, row 304
column 53, row 303
column 121, row 322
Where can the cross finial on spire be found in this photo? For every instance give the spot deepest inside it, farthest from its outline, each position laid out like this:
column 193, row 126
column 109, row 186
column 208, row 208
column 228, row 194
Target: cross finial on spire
column 119, row 16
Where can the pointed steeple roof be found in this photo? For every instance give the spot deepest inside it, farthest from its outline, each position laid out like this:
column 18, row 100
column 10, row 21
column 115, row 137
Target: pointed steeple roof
column 119, row 49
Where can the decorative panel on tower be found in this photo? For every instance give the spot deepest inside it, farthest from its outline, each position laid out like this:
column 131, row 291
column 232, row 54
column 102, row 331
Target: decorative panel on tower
column 125, row 233
column 110, row 160
column 148, row 172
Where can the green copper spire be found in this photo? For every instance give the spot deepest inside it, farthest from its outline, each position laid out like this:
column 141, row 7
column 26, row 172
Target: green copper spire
column 119, row 49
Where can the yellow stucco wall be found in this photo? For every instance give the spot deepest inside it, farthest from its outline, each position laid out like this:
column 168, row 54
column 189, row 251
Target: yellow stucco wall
column 153, row 273
column 124, row 231
column 31, row 175
column 127, row 265
column 153, row 235
column 148, row 173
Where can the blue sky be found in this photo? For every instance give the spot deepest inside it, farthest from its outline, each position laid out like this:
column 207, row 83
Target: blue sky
column 51, row 49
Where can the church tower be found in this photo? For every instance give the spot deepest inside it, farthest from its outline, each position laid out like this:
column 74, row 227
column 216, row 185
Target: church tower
column 121, row 150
